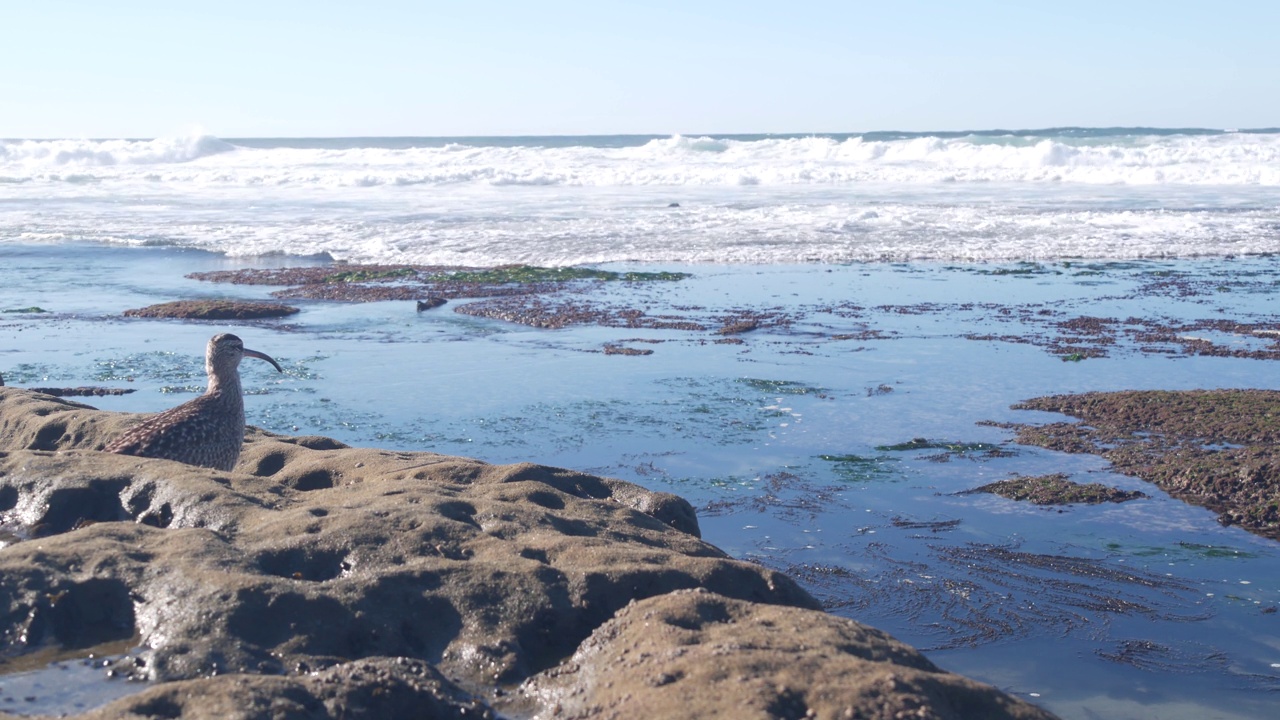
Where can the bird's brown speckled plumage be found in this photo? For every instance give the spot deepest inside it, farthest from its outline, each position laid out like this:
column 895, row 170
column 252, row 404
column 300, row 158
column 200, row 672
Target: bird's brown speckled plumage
column 207, row 431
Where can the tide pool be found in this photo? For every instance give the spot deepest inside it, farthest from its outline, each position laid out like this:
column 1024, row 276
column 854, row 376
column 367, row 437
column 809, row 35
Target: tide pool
column 829, row 442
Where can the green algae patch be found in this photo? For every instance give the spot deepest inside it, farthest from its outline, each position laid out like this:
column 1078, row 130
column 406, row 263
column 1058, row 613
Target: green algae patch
column 1021, row 269
column 926, row 444
column 1182, row 550
column 1214, row 551
column 357, row 276
column 663, row 276
column 33, row 310
column 213, row 310
column 859, row 468
column 1055, row 489
column 1219, row 449
column 781, row 387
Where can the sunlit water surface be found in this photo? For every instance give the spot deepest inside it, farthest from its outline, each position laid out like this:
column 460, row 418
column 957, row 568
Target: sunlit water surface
column 1144, row 609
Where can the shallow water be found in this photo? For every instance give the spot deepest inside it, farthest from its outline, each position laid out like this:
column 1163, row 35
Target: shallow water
column 785, row 442
column 61, row 683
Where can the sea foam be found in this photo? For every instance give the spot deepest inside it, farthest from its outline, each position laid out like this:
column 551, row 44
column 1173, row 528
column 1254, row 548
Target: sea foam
column 35, row 154
column 1224, row 159
column 761, row 199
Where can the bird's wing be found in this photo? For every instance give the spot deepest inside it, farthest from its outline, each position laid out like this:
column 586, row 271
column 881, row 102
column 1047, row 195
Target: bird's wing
column 175, row 425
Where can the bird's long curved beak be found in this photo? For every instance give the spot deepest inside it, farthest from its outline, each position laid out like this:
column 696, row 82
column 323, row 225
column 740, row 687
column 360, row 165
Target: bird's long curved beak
column 262, row 356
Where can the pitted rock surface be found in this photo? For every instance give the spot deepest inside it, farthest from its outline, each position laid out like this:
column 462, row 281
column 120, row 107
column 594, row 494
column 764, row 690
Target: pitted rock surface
column 454, row 579
column 693, row 653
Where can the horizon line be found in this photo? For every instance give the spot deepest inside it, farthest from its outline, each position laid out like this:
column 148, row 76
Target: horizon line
column 1058, row 129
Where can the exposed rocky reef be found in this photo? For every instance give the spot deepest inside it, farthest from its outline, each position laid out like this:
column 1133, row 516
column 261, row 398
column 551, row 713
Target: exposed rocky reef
column 318, row 580
column 1216, row 448
column 1055, row 489
column 213, row 310
column 79, row 391
column 82, row 391
column 376, row 283
column 552, row 298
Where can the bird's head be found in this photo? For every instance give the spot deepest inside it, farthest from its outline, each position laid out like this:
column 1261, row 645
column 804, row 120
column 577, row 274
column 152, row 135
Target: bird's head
column 225, row 352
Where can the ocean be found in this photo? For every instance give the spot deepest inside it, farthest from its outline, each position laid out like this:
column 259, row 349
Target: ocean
column 759, row 199
column 909, row 289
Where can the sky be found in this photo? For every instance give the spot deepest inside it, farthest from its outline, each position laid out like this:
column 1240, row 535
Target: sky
column 281, row 68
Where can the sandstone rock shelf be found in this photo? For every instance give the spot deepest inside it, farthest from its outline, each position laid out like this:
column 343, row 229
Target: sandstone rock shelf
column 320, row 580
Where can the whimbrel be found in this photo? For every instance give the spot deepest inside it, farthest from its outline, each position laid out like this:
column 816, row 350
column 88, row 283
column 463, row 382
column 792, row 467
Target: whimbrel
column 207, row 431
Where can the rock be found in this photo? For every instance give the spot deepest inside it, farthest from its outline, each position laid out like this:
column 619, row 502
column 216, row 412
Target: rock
column 81, row 391
column 213, row 310
column 1215, row 448
column 612, row 349
column 432, row 302
column 738, row 326
column 1055, row 489
column 321, row 580
column 695, row 654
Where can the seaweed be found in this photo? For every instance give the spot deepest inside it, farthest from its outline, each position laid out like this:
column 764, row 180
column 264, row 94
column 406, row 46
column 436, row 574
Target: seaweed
column 533, row 274
column 1054, row 489
column 979, row 593
column 213, row 310
column 366, row 275
column 1214, row 448
column 1021, row 269
column 926, row 444
column 857, row 468
column 782, row 387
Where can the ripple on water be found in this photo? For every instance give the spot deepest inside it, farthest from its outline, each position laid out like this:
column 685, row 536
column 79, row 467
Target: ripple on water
column 71, row 684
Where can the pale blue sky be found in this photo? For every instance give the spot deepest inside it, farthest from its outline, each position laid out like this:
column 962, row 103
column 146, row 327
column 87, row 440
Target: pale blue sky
column 132, row 68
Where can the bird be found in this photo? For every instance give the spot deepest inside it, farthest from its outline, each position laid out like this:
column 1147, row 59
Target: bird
column 207, row 431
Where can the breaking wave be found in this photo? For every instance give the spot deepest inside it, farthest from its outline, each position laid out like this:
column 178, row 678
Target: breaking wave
column 40, row 154
column 984, row 196
column 1156, row 159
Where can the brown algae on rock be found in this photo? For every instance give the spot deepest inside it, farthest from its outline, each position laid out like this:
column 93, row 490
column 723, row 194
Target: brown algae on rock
column 377, row 283
column 213, row 310
column 1054, row 489
column 1215, row 448
column 614, row 349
